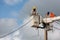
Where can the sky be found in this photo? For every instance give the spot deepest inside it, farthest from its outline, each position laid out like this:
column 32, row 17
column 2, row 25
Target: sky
column 13, row 14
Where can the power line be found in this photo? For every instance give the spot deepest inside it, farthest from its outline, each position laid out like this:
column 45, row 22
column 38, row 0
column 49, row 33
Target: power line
column 17, row 28
column 57, row 23
column 56, row 27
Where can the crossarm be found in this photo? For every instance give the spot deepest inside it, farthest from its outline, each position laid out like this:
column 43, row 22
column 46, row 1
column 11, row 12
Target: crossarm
column 48, row 20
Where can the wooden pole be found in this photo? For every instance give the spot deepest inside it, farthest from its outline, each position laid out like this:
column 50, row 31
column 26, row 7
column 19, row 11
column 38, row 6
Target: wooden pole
column 45, row 34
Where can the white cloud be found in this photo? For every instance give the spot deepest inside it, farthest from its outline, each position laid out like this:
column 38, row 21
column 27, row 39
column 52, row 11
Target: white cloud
column 6, row 38
column 12, row 2
column 7, row 25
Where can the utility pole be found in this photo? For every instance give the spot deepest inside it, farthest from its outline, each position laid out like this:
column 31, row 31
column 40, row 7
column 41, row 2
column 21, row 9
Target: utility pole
column 45, row 34
column 46, row 27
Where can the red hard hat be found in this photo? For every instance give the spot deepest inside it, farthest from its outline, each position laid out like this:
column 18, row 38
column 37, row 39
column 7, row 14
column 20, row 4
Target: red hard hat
column 52, row 14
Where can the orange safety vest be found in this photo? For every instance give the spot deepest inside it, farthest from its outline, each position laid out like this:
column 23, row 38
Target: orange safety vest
column 52, row 15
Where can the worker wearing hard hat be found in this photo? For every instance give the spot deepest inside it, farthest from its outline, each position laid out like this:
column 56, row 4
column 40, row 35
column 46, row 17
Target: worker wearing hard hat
column 34, row 11
column 50, row 14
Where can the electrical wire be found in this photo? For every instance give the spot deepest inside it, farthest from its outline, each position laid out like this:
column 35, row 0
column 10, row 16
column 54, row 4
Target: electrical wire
column 58, row 23
column 17, row 29
column 56, row 27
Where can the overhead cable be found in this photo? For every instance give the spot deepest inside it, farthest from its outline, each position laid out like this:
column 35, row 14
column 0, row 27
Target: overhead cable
column 17, row 28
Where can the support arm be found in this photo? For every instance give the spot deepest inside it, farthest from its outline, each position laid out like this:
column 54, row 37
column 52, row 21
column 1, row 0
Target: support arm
column 49, row 20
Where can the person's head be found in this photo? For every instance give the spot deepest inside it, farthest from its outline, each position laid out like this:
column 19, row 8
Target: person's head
column 48, row 13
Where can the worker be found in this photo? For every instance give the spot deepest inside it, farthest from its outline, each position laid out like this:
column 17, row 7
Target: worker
column 47, row 14
column 34, row 11
column 50, row 14
column 49, row 25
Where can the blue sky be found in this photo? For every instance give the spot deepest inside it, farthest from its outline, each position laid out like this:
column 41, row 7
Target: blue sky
column 6, row 9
